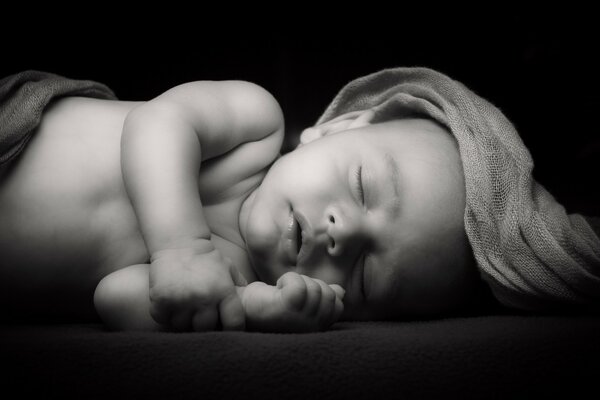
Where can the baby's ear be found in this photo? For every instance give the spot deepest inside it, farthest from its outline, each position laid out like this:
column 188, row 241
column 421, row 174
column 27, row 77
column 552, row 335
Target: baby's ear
column 351, row 120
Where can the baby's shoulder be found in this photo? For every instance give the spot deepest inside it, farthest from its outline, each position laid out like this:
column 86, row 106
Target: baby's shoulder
column 75, row 112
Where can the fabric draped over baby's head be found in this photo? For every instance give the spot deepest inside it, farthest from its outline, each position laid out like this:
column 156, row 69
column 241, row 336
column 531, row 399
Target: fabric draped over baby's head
column 533, row 255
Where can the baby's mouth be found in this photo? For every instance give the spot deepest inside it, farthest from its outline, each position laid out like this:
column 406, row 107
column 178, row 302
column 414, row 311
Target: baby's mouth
column 298, row 239
column 297, row 235
column 293, row 239
column 304, row 243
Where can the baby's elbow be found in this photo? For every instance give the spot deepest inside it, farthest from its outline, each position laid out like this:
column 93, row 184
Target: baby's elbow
column 122, row 307
column 256, row 104
column 107, row 305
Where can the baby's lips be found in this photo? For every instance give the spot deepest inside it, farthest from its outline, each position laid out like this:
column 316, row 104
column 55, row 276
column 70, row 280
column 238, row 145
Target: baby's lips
column 339, row 291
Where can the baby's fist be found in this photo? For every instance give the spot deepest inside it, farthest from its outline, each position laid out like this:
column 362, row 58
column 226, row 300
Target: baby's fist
column 297, row 304
column 311, row 300
column 311, row 304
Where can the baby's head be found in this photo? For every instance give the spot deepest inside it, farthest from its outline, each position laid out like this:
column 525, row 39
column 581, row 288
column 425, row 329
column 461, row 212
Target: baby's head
column 376, row 208
column 434, row 212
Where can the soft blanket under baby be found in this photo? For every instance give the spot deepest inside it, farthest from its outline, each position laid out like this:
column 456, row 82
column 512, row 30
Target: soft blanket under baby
column 23, row 98
column 532, row 253
column 484, row 357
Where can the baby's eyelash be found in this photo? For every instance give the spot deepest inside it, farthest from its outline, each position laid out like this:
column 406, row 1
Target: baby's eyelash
column 359, row 185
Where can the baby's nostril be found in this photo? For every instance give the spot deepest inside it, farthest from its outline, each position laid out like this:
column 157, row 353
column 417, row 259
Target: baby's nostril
column 331, row 219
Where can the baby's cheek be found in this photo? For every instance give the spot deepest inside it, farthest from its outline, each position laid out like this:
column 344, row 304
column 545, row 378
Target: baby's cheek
column 268, row 267
column 326, row 272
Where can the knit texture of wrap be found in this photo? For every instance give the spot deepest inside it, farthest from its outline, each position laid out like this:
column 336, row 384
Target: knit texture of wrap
column 23, row 99
column 533, row 255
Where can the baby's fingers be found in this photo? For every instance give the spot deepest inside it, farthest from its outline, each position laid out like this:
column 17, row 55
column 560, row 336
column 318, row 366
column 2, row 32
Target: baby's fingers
column 330, row 301
column 205, row 319
column 339, row 304
column 293, row 290
column 314, row 294
column 160, row 312
column 236, row 275
column 339, row 309
column 231, row 311
column 339, row 291
column 182, row 321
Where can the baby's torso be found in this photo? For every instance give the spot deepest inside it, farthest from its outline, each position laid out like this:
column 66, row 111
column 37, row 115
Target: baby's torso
column 65, row 216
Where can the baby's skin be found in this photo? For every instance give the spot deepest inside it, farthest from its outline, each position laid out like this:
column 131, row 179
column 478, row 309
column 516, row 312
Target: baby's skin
column 180, row 213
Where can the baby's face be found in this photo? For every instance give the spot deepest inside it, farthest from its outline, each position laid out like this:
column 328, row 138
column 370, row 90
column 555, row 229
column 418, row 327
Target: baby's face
column 376, row 209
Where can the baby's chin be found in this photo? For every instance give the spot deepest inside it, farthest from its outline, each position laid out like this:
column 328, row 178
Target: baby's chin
column 262, row 263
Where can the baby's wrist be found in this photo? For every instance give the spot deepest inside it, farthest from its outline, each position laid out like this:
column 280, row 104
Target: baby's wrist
column 240, row 290
column 191, row 246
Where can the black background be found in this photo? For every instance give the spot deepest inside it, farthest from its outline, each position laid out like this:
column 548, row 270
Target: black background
column 540, row 70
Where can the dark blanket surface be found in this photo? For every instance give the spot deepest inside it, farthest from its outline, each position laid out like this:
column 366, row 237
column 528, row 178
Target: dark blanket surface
column 479, row 357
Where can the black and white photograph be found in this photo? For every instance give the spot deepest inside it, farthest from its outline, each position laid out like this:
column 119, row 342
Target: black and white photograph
column 406, row 210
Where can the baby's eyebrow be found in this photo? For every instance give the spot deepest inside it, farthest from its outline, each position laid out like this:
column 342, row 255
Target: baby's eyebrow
column 392, row 167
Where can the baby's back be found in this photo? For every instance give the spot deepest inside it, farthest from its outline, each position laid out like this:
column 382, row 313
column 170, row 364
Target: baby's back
column 65, row 217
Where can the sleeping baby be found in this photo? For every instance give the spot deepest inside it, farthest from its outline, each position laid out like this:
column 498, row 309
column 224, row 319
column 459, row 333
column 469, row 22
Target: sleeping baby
column 181, row 214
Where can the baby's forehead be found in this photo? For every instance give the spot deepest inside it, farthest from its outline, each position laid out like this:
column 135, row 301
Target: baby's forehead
column 406, row 139
column 402, row 133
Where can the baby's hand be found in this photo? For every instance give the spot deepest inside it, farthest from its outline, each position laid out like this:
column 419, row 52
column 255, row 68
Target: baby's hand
column 297, row 304
column 192, row 288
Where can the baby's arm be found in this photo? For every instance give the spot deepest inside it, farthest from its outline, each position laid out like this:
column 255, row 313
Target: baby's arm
column 164, row 142
column 297, row 304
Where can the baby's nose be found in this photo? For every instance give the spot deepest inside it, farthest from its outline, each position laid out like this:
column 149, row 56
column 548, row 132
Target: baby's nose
column 344, row 233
